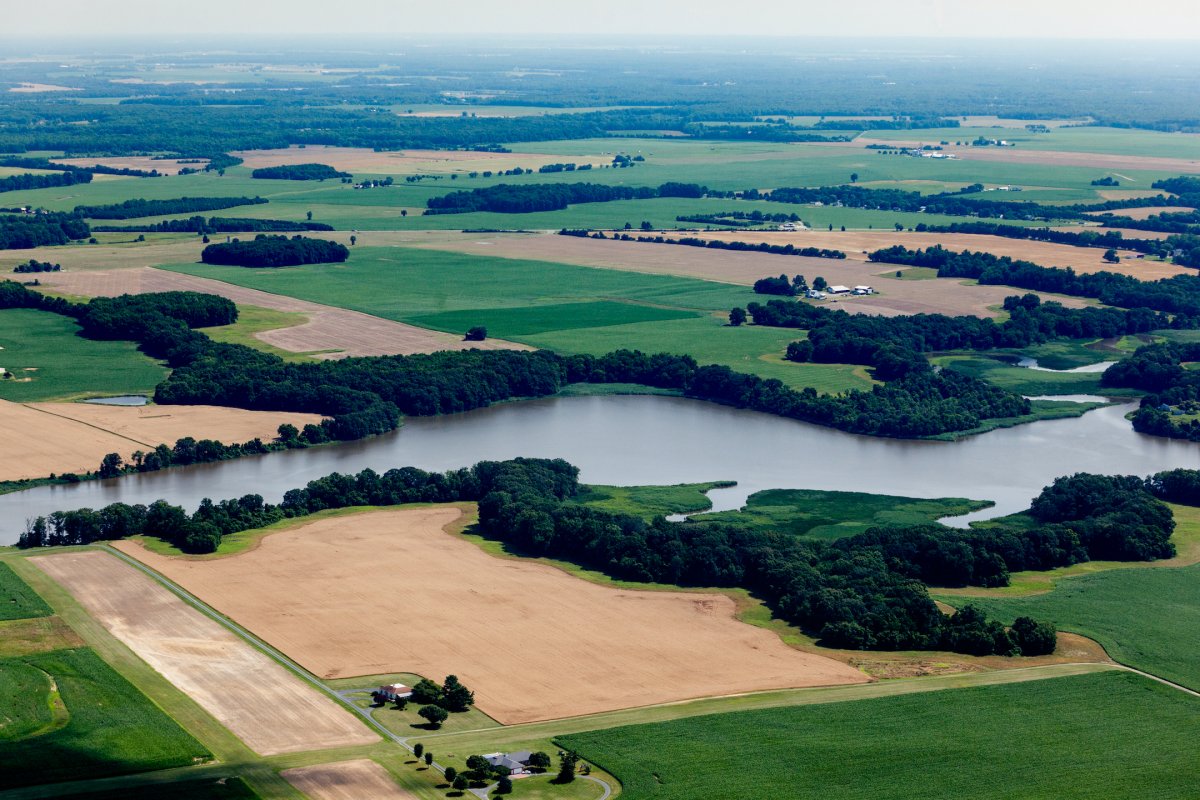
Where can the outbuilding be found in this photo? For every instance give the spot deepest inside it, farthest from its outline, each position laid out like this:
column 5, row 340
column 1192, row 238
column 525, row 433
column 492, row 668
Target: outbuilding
column 839, row 290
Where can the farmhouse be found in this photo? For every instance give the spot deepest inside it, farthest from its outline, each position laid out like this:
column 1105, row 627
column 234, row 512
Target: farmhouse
column 393, row 691
column 516, row 763
column 793, row 226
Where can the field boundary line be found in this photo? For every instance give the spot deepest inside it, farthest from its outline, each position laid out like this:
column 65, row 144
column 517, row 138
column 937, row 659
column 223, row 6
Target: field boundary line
column 88, row 425
column 253, row 641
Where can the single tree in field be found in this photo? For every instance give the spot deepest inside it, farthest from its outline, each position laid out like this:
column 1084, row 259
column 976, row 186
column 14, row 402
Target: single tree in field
column 566, row 772
column 353, row 241
column 476, row 334
column 428, row 758
column 434, row 715
column 854, row 177
column 455, row 696
column 1110, row 255
column 418, row 749
column 450, row 773
column 404, row 212
column 308, row 216
column 737, row 316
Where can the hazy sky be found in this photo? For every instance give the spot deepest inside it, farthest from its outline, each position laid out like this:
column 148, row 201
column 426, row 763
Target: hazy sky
column 1177, row 19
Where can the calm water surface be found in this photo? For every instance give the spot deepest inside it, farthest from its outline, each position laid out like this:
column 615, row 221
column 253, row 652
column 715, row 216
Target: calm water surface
column 664, row 440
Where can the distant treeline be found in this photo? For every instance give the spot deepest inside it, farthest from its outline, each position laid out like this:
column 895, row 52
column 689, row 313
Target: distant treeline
column 894, row 346
column 1179, row 294
column 524, row 199
column 864, row 592
column 714, row 244
column 275, row 251
column 22, row 162
column 138, row 207
column 20, row 231
column 299, row 172
column 201, row 225
column 16, row 183
column 738, row 219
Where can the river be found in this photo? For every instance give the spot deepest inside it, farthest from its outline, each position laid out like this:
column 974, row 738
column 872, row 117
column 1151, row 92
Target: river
column 663, row 440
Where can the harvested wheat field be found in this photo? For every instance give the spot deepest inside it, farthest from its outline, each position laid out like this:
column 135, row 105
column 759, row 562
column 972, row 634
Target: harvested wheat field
column 345, row 780
column 109, row 257
column 264, row 705
column 533, row 642
column 854, row 243
column 1143, row 212
column 942, row 296
column 44, row 438
column 347, row 333
column 403, row 162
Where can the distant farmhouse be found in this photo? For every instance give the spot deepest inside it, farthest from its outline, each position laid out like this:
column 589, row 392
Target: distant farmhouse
column 516, row 763
column 393, row 691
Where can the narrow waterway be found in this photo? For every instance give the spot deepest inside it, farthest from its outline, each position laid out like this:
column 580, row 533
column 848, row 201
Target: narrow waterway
column 665, row 440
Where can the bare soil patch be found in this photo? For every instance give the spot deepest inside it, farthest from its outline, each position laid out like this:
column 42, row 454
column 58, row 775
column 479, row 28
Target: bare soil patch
column 36, row 88
column 945, row 296
column 404, row 162
column 856, row 245
column 350, row 333
column 346, row 780
column 533, row 642
column 266, row 706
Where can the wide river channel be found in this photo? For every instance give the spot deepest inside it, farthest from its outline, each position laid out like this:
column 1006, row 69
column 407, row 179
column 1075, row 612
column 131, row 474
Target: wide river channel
column 665, row 440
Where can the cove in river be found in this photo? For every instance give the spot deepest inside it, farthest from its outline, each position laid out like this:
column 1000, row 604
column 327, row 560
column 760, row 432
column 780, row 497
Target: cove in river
column 630, row 440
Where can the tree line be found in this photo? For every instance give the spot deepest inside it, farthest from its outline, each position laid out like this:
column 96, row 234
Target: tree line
column 1178, row 294
column 140, row 207
column 275, row 251
column 199, row 224
column 21, row 162
column 299, row 172
column 1172, row 403
column 20, row 231
column 713, row 244
column 16, row 183
column 506, row 198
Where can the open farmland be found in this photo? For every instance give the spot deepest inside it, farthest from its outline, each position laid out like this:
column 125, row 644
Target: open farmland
column 1109, row 735
column 45, row 438
column 948, row 296
column 1144, row 212
column 611, row 648
column 66, row 715
column 345, row 780
column 240, row 686
column 360, row 160
column 47, row 360
column 856, row 245
column 331, row 332
column 1146, row 618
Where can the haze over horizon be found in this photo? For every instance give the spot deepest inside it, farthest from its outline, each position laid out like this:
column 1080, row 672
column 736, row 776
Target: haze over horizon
column 1056, row 19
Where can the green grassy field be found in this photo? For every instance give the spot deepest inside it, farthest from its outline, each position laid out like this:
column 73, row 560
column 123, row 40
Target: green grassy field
column 70, row 717
column 213, row 789
column 561, row 307
column 17, row 600
column 1146, row 618
column 253, row 320
column 832, row 515
column 650, row 501
column 49, row 361
column 1111, row 735
column 1019, row 379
